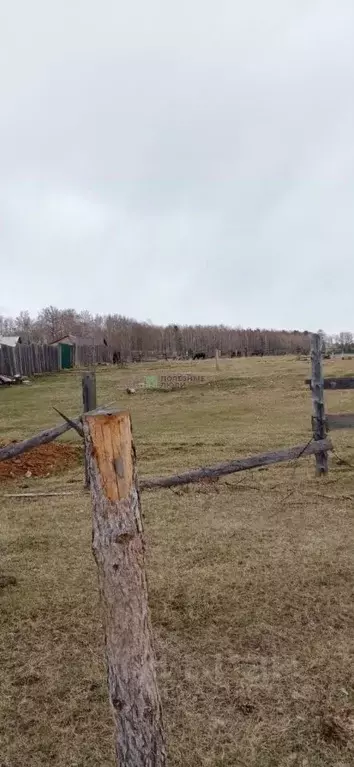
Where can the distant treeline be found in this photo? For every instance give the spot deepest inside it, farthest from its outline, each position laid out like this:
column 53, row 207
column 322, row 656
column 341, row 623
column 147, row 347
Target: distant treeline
column 132, row 339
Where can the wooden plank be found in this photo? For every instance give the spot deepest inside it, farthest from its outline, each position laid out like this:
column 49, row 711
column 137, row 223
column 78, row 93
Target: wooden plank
column 41, row 357
column 119, row 549
column 24, row 354
column 22, row 348
column 7, row 361
column 28, row 363
column 78, row 355
column 55, row 358
column 13, row 359
column 33, row 359
column 340, row 421
column 318, row 420
column 240, row 464
column 50, row 358
column 7, row 371
column 10, row 352
column 47, row 359
column 17, row 359
column 29, row 360
column 36, row 358
column 347, row 382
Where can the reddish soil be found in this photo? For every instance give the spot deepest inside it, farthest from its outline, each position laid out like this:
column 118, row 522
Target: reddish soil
column 42, row 461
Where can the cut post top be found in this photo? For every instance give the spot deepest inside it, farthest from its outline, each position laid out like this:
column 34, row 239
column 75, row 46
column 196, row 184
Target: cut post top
column 110, row 446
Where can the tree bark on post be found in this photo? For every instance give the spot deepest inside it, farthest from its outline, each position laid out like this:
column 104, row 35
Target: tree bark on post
column 319, row 418
column 118, row 547
column 89, row 403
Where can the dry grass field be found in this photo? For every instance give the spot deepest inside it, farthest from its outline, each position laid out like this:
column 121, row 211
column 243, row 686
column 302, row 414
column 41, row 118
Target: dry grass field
column 251, row 579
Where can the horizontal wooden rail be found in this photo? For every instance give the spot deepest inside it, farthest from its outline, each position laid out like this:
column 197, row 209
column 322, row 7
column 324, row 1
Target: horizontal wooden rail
column 42, row 438
column 195, row 475
column 335, row 383
column 239, row 464
column 336, row 421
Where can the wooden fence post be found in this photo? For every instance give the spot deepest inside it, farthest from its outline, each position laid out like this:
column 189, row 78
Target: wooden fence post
column 118, row 547
column 217, row 359
column 89, row 403
column 318, row 418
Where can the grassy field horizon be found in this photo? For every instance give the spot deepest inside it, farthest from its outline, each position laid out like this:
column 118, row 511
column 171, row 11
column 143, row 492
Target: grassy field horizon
column 251, row 578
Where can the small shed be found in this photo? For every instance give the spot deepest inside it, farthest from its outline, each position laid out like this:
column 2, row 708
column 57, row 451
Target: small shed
column 12, row 341
column 69, row 348
column 66, row 346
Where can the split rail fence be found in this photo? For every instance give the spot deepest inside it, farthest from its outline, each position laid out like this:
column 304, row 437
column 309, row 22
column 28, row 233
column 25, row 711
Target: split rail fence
column 322, row 423
column 119, row 546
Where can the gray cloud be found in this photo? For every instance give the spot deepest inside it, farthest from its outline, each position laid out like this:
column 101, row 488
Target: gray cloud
column 189, row 162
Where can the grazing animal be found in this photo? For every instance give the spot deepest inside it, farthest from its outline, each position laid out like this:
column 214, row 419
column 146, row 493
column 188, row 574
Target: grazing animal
column 199, row 356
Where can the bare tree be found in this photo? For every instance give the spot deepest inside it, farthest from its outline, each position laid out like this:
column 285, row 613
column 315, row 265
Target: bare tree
column 140, row 340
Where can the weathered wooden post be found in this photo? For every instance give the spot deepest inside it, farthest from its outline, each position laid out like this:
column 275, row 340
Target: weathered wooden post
column 118, row 546
column 317, row 388
column 217, row 359
column 89, row 403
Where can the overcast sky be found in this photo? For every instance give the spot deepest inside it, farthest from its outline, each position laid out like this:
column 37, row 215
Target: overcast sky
column 179, row 161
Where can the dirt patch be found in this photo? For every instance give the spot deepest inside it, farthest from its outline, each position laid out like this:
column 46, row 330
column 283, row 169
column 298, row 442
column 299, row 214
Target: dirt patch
column 42, row 461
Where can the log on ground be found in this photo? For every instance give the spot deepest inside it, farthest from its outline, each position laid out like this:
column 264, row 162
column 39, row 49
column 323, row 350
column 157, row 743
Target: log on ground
column 239, row 464
column 42, row 438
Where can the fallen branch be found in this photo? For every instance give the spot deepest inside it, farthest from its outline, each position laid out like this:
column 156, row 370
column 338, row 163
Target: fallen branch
column 48, row 435
column 240, row 464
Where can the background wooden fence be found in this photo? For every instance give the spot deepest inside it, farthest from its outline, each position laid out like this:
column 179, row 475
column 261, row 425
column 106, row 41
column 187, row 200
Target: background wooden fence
column 31, row 359
column 87, row 356
column 28, row 359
